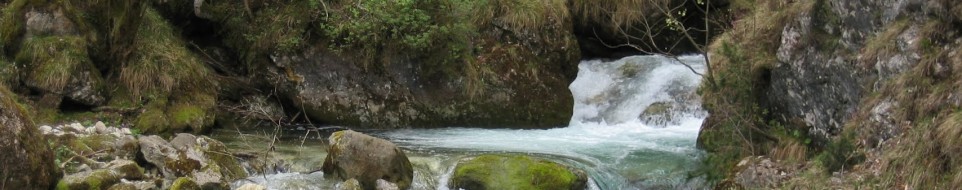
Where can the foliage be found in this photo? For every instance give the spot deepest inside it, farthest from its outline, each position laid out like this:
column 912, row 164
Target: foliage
column 413, row 28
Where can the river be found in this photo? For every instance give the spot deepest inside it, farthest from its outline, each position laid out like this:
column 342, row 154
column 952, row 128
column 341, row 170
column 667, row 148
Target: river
column 634, row 126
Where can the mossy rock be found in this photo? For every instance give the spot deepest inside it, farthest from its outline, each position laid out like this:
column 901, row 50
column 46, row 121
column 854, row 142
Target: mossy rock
column 184, row 183
column 97, row 179
column 516, row 172
column 26, row 158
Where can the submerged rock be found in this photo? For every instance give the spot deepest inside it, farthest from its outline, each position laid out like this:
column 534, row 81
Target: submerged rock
column 26, row 159
column 515, row 172
column 367, row 159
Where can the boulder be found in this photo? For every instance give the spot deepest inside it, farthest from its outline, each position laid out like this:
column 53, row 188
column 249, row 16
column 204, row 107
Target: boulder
column 367, row 159
column 27, row 161
column 515, row 172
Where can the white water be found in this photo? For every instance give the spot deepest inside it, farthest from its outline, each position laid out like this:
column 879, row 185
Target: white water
column 610, row 135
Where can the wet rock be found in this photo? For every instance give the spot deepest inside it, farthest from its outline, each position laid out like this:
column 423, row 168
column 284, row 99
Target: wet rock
column 367, row 159
column 26, row 159
column 515, row 172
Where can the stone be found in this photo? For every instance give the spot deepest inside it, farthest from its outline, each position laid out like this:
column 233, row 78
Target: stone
column 367, row 159
column 127, row 169
column 126, row 147
column 26, row 159
column 158, row 152
column 101, row 128
column 515, row 172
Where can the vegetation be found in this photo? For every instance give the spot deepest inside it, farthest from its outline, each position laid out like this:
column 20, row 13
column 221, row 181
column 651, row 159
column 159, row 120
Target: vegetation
column 515, row 172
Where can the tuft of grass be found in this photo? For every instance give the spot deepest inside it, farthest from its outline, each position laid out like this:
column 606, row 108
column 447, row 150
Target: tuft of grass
column 522, row 16
column 162, row 62
column 53, row 60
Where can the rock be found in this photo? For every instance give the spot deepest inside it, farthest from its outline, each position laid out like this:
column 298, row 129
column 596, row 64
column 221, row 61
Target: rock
column 77, row 128
column 97, row 179
column 515, row 172
column 41, row 22
column 350, row 184
column 367, row 159
column 126, row 147
column 101, row 127
column 251, row 186
column 127, row 169
column 184, row 183
column 385, row 185
column 206, row 161
column 26, row 159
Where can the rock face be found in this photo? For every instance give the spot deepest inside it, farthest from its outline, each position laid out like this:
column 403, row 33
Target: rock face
column 27, row 161
column 515, row 172
column 367, row 159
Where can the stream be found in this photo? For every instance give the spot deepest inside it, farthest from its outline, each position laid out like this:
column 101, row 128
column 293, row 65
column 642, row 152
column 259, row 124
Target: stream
column 634, row 126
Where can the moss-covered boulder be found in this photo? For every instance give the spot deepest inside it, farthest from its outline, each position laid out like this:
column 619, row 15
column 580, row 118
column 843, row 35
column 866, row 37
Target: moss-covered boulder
column 366, row 159
column 184, row 183
column 515, row 172
column 97, row 179
column 26, row 158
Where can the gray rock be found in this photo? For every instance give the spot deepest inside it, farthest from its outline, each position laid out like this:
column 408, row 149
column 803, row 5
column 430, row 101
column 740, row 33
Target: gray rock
column 40, row 22
column 354, row 155
column 127, row 169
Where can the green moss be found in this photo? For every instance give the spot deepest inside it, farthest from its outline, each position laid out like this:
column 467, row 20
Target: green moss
column 153, row 120
column 183, row 116
column 182, row 166
column 101, row 179
column 515, row 172
column 184, row 183
column 163, row 64
column 53, row 60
